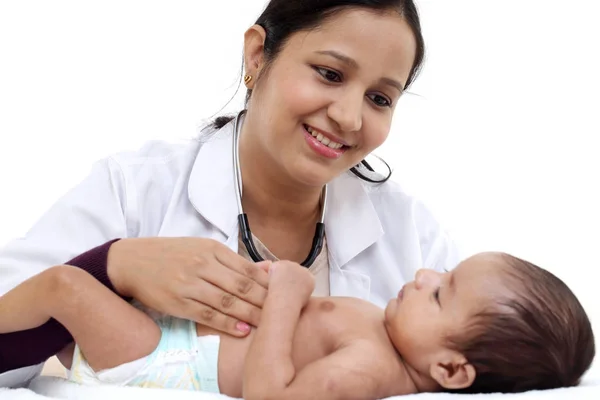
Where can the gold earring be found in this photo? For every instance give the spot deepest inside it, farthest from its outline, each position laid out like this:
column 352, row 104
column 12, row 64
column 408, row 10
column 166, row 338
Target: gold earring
column 247, row 78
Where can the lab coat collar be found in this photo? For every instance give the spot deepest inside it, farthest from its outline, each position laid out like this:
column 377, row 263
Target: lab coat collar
column 211, row 187
column 351, row 221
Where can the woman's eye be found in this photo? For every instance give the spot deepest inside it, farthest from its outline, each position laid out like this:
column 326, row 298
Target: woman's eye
column 328, row 74
column 380, row 101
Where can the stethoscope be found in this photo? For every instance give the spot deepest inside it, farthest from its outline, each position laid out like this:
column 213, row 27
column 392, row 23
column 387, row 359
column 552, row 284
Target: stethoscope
column 317, row 243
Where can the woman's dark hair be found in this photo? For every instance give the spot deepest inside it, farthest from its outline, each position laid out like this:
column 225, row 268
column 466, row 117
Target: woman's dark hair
column 283, row 18
column 541, row 338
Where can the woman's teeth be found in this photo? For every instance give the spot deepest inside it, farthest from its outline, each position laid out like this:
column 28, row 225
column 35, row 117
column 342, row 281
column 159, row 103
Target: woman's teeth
column 325, row 140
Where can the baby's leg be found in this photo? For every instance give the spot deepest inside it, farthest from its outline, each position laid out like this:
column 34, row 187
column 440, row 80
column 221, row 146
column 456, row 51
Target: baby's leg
column 65, row 356
column 107, row 329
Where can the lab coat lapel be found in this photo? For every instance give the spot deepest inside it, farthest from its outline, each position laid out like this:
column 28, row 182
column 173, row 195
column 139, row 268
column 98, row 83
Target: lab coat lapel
column 352, row 225
column 211, row 187
column 351, row 222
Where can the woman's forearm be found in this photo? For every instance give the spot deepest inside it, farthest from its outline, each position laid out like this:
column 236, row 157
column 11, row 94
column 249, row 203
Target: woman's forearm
column 95, row 262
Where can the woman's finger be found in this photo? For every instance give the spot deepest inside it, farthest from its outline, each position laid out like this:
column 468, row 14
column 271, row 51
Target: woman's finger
column 242, row 266
column 208, row 316
column 236, row 284
column 224, row 302
column 264, row 265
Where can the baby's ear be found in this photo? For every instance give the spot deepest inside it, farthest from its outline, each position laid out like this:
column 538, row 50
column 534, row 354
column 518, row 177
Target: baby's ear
column 453, row 372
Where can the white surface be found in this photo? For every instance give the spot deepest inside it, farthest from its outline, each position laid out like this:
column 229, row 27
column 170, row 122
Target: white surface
column 56, row 388
column 501, row 142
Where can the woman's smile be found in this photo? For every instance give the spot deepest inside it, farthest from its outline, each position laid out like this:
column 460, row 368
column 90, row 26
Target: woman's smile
column 323, row 143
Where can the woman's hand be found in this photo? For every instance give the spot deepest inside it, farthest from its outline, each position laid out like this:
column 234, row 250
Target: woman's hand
column 191, row 278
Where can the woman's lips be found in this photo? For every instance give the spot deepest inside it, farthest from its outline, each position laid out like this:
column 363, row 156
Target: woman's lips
column 322, row 149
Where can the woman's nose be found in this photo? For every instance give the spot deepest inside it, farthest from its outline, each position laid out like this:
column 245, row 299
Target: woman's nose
column 347, row 113
column 426, row 278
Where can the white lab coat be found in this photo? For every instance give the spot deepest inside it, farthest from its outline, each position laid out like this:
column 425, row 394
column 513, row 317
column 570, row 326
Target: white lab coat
column 377, row 235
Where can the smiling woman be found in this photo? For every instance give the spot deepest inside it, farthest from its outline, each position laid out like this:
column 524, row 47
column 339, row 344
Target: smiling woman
column 336, row 79
column 338, row 91
column 159, row 224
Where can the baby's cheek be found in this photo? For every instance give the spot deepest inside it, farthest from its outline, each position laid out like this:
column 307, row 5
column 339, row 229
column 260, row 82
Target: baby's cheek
column 452, row 328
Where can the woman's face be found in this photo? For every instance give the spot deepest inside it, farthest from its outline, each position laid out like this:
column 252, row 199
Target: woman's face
column 328, row 98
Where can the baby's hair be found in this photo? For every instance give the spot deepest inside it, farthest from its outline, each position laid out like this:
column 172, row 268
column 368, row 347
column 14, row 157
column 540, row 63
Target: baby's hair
column 538, row 337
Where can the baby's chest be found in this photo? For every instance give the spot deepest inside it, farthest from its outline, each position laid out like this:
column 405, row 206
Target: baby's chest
column 327, row 324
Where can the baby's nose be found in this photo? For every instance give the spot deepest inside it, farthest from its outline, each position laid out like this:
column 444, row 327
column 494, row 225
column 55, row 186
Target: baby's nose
column 427, row 278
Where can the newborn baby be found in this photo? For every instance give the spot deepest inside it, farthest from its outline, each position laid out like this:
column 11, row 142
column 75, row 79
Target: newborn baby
column 495, row 323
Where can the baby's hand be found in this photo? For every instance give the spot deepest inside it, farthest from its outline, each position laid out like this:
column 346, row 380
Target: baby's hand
column 291, row 278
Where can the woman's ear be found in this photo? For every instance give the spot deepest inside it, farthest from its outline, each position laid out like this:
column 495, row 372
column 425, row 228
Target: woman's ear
column 453, row 372
column 254, row 47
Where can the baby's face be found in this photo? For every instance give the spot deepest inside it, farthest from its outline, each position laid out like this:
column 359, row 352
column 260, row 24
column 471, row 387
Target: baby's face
column 436, row 305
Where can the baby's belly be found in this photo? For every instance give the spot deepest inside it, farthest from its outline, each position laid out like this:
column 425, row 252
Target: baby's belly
column 310, row 344
column 232, row 353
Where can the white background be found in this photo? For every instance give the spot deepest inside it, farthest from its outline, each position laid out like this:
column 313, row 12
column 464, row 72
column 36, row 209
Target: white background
column 499, row 139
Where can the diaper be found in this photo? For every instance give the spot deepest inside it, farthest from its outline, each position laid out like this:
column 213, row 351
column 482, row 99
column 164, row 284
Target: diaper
column 182, row 360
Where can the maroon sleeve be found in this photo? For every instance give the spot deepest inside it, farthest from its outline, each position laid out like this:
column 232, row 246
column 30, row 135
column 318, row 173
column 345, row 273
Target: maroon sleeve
column 34, row 346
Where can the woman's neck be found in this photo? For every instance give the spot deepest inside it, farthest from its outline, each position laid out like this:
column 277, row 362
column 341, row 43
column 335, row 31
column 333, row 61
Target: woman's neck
column 268, row 192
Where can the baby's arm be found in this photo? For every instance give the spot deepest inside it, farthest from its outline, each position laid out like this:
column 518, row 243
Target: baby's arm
column 107, row 329
column 348, row 373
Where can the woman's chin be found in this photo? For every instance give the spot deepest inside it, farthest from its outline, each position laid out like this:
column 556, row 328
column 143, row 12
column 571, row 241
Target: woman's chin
column 312, row 175
column 310, row 169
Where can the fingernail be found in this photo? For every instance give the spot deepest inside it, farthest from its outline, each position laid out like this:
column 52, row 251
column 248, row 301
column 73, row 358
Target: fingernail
column 242, row 327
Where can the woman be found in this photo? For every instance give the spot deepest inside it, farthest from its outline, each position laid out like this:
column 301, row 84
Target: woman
column 323, row 80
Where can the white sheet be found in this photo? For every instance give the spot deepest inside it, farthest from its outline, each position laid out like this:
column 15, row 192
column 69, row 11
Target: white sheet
column 44, row 388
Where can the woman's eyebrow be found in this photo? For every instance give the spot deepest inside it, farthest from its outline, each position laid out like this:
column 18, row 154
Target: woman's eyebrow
column 394, row 83
column 341, row 57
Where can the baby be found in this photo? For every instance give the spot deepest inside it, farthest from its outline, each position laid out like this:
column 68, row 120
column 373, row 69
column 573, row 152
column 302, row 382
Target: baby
column 495, row 323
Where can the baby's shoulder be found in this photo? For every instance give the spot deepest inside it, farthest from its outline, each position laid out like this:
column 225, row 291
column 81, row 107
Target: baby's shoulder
column 377, row 360
column 354, row 333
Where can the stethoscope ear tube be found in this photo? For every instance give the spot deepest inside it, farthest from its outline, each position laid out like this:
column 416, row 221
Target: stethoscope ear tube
column 244, row 225
column 317, row 245
column 247, row 238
